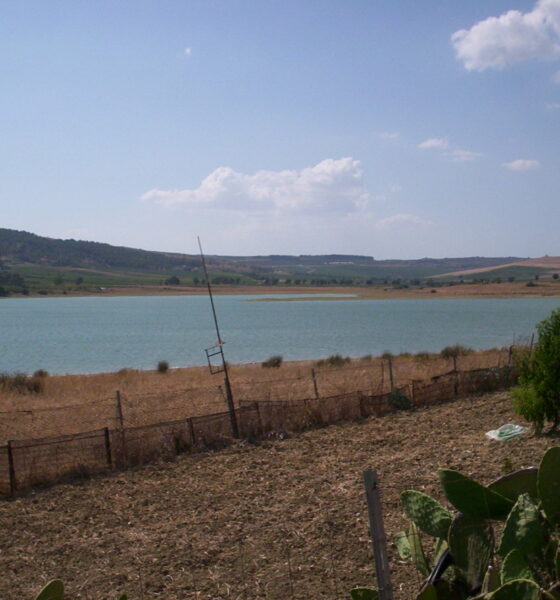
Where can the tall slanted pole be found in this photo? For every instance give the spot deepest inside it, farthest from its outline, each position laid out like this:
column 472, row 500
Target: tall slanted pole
column 220, row 344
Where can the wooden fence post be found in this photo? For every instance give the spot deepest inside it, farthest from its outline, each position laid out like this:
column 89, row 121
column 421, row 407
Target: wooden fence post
column 191, row 430
column 377, row 533
column 108, row 448
column 259, row 420
column 11, row 468
column 315, row 387
column 120, row 418
column 391, row 380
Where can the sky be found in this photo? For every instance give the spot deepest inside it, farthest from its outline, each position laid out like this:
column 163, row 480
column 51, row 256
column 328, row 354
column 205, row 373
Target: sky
column 390, row 129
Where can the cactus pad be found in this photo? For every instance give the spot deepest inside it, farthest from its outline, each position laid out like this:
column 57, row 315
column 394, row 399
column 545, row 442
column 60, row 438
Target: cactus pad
column 473, row 499
column 514, row 484
column 428, row 514
column 549, row 484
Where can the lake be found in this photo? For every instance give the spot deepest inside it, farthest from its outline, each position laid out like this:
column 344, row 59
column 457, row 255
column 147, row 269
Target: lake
column 91, row 335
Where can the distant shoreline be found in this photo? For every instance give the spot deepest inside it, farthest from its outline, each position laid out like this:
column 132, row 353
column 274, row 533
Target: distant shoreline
column 477, row 290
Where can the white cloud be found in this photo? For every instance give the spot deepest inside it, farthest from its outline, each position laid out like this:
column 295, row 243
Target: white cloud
column 188, row 51
column 401, row 219
column 459, row 155
column 331, row 186
column 498, row 42
column 553, row 106
column 452, row 154
column 440, row 143
column 522, row 165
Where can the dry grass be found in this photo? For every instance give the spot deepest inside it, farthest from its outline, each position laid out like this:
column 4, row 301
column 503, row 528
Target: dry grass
column 77, row 403
column 250, row 522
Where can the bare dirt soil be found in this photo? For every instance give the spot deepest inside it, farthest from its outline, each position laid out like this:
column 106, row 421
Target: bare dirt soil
column 282, row 519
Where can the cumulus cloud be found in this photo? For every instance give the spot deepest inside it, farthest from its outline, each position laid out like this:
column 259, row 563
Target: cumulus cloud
column 401, row 219
column 439, row 143
column 498, row 42
column 522, row 165
column 331, row 186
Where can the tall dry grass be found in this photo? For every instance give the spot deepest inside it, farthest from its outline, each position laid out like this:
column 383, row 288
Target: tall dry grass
column 77, row 403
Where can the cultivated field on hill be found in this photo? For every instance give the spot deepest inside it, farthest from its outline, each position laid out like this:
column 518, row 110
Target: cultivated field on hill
column 281, row 519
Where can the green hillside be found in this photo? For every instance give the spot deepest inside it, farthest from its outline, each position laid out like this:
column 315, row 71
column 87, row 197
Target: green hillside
column 34, row 264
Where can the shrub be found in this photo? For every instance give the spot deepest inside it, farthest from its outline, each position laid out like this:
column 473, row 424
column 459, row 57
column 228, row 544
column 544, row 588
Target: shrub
column 21, row 383
column 163, row 366
column 555, row 276
column 386, row 355
column 422, row 356
column 539, row 397
column 530, row 284
column 335, row 360
column 399, row 401
column 41, row 373
column 367, row 358
column 456, row 350
column 273, row 362
column 528, row 404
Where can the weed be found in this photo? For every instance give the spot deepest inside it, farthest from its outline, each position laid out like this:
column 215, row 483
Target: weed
column 456, row 350
column 21, row 383
column 274, row 362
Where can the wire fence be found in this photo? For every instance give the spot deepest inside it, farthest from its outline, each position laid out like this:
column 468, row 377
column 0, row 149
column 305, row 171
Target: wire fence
column 122, row 444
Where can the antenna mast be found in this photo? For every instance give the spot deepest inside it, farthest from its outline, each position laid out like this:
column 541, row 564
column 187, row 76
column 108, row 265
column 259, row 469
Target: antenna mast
column 218, row 349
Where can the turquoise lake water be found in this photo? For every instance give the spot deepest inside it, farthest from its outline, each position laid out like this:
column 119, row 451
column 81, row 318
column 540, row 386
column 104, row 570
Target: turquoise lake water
column 90, row 335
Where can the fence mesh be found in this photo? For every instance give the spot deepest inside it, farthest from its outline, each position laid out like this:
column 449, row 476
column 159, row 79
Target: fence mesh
column 46, row 460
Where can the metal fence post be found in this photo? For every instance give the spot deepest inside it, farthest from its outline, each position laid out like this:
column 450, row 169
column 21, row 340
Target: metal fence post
column 377, row 533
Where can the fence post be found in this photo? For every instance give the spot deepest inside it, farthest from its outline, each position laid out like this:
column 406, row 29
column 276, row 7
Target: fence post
column 377, row 533
column 108, row 448
column 120, row 418
column 391, row 380
column 11, row 468
column 259, row 420
column 315, row 387
column 191, row 430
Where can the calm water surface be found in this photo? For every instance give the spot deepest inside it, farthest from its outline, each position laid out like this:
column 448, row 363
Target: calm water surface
column 89, row 335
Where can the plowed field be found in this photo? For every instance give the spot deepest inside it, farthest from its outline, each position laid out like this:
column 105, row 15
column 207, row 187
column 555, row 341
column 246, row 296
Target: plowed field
column 283, row 519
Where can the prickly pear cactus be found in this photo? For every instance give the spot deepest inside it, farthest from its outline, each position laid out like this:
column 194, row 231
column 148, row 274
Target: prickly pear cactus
column 524, row 564
column 428, row 514
column 472, row 498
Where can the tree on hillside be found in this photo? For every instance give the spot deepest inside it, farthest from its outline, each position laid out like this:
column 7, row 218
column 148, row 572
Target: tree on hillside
column 538, row 397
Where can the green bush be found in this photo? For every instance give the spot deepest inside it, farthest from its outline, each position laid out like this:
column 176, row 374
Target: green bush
column 41, row 373
column 163, row 366
column 274, row 362
column 528, row 404
column 539, row 376
column 399, row 401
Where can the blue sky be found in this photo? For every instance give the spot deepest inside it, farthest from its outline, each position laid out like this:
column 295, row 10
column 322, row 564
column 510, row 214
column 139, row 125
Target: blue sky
column 394, row 129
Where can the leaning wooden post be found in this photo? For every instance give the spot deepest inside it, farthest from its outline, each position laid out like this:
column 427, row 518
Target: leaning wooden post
column 315, row 386
column 377, row 533
column 11, row 468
